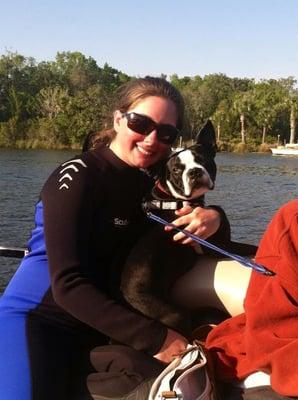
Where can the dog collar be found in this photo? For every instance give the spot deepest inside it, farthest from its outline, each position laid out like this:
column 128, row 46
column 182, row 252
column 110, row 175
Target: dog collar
column 160, row 199
column 155, row 204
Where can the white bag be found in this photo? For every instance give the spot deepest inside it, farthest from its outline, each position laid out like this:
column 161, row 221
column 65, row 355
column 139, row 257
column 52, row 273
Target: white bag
column 186, row 378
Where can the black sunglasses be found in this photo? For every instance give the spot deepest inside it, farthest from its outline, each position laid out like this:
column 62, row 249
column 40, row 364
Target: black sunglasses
column 144, row 125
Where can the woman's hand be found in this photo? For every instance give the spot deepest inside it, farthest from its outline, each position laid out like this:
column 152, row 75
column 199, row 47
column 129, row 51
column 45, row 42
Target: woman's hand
column 172, row 346
column 200, row 221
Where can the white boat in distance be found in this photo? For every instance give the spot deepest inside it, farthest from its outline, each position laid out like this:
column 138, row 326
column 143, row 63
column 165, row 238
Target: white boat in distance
column 287, row 150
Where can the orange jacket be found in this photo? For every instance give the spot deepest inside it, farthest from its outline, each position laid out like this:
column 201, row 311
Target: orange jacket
column 265, row 337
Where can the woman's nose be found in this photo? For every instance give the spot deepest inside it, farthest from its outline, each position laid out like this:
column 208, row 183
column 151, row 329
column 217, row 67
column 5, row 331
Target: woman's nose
column 152, row 137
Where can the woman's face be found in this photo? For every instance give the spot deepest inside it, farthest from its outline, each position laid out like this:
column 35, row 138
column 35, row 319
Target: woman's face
column 139, row 150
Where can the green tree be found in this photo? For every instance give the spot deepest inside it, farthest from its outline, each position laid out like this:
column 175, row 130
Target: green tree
column 51, row 101
column 243, row 106
column 267, row 97
column 15, row 78
column 110, row 78
column 88, row 111
column 181, row 83
column 293, row 112
column 222, row 119
column 76, row 71
column 288, row 107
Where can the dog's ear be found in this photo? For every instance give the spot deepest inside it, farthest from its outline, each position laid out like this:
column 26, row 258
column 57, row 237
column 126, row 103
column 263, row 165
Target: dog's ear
column 206, row 135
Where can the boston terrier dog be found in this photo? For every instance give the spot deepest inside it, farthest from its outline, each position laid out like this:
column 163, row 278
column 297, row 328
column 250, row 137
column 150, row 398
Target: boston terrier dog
column 156, row 261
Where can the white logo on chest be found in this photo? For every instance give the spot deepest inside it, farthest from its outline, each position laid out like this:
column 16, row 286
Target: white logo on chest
column 121, row 222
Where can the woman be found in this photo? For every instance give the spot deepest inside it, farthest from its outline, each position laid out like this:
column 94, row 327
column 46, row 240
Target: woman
column 256, row 352
column 59, row 304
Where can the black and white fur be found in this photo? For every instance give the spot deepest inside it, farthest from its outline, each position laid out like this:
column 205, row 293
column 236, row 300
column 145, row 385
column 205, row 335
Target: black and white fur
column 156, row 262
column 190, row 173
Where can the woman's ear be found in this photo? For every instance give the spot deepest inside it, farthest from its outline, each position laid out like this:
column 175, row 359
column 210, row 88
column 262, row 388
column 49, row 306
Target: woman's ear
column 117, row 119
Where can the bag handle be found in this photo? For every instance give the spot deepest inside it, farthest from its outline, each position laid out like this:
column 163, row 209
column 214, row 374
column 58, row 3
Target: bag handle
column 183, row 361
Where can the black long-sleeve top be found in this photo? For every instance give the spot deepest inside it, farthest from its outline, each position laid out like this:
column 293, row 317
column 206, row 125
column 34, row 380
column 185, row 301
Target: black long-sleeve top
column 92, row 217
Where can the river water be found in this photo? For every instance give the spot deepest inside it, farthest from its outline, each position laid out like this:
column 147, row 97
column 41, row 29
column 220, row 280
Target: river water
column 250, row 188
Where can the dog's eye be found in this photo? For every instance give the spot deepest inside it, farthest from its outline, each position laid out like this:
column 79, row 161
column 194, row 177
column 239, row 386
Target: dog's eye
column 176, row 170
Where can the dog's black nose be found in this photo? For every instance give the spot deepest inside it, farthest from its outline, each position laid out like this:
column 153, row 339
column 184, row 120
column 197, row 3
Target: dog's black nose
column 195, row 173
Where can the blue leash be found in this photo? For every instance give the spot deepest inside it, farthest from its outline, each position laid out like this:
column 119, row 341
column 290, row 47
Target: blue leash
column 242, row 260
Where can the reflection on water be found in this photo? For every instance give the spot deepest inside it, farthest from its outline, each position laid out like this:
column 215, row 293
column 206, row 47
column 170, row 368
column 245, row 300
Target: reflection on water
column 249, row 187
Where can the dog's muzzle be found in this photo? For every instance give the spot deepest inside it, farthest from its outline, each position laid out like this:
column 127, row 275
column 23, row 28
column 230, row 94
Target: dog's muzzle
column 196, row 173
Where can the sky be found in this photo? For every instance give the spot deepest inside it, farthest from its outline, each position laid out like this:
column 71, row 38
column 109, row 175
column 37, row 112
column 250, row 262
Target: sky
column 253, row 38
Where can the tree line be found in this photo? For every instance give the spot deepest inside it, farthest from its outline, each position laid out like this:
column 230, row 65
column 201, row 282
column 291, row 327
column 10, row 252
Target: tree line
column 54, row 104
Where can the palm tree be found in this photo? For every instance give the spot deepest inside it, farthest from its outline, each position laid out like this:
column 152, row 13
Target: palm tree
column 293, row 121
column 243, row 105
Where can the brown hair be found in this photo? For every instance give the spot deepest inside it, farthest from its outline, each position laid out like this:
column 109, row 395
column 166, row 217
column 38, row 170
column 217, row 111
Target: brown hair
column 132, row 92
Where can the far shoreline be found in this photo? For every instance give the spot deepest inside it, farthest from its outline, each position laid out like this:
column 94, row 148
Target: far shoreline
column 223, row 147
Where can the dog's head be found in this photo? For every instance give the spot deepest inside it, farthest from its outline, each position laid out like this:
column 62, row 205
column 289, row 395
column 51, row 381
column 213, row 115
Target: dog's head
column 190, row 173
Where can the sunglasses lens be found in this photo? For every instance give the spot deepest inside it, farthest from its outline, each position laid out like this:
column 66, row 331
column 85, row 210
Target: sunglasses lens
column 167, row 134
column 139, row 123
